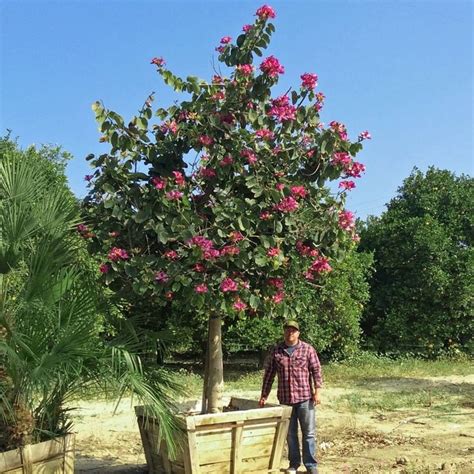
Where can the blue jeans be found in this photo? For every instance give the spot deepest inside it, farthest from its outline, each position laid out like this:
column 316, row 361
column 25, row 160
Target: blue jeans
column 304, row 412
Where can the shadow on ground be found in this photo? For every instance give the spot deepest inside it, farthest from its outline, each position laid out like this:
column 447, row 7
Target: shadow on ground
column 89, row 465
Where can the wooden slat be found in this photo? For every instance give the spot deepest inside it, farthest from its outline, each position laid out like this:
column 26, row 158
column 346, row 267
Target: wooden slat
column 192, row 445
column 26, row 460
column 51, row 466
column 224, row 444
column 233, row 416
column 10, row 460
column 237, row 448
column 278, row 443
column 69, row 453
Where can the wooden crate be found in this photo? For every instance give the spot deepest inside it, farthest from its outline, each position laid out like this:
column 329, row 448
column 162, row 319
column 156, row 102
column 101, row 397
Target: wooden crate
column 249, row 440
column 55, row 456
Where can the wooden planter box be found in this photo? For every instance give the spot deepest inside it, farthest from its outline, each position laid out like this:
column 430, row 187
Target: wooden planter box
column 247, row 441
column 55, row 456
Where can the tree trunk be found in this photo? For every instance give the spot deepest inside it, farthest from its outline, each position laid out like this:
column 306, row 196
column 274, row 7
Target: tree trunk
column 215, row 377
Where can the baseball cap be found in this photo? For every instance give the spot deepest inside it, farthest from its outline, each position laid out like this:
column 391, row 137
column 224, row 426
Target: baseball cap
column 292, row 323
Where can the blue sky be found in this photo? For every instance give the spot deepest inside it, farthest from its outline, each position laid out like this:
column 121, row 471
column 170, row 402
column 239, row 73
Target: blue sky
column 401, row 69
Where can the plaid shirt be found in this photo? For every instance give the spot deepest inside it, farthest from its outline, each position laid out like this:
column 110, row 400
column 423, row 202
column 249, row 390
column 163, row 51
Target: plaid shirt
column 296, row 373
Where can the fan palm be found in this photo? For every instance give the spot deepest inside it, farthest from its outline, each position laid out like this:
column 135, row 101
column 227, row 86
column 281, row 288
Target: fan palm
column 50, row 344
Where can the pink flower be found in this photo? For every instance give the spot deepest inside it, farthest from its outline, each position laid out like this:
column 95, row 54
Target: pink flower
column 220, row 49
column 281, row 109
column 226, row 39
column 306, row 250
column 340, row 129
column 82, row 228
column 104, row 268
column 239, row 305
column 201, row 242
column 201, row 288
column 179, row 178
column 116, row 254
column 174, row 195
column 365, row 136
column 236, row 236
column 158, row 182
column 171, row 255
column 341, row 158
column 218, row 96
column 309, row 81
column 320, row 97
column 245, row 69
column 206, row 140
column 228, row 285
column 347, row 185
column 199, row 268
column 287, row 204
column 278, row 297
column 272, row 67
column 273, row 252
column 346, row 220
column 160, row 62
column 298, row 192
column 265, row 215
column 169, row 127
column 356, row 238
column 227, row 160
column 229, row 250
column 321, row 265
column 247, row 28
column 216, row 79
column 169, row 295
column 250, row 155
column 308, row 275
column 161, row 276
column 210, row 254
column 279, row 186
column 264, row 134
column 207, row 173
column 355, row 169
column 277, row 283
column 114, row 234
column 88, row 177
column 266, row 11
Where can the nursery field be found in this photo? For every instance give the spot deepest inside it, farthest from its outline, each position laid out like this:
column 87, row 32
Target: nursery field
column 376, row 416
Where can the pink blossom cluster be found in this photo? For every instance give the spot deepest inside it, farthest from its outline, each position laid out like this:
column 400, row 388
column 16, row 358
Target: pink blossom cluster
column 350, row 167
column 88, row 177
column 116, row 254
column 277, row 298
column 272, row 67
column 228, row 285
column 179, row 178
column 309, row 81
column 226, row 161
column 158, row 182
column 265, row 11
column 227, row 118
column 280, row 186
column 199, row 267
column 346, row 220
column 171, row 255
column 206, row 245
column 277, row 283
column 287, row 204
column 249, row 155
column 245, row 69
column 229, row 250
column 281, row 109
column 174, row 195
column 264, row 134
column 273, row 252
column 160, row 62
column 365, row 136
column 207, row 173
column 320, row 265
column 219, row 95
column 319, row 101
column 247, row 28
column 265, row 215
column 104, row 268
column 347, row 185
column 201, row 288
column 355, row 169
column 236, row 236
column 239, row 305
column 306, row 250
column 298, row 192
column 171, row 127
column 341, row 158
column 206, row 140
column 161, row 276
column 340, row 129
column 226, row 40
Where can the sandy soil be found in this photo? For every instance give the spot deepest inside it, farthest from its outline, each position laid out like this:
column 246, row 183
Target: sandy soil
column 410, row 441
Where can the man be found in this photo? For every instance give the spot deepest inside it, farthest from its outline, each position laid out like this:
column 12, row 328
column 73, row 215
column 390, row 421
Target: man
column 299, row 381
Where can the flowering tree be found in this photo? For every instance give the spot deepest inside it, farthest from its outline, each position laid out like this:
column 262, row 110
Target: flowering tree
column 216, row 204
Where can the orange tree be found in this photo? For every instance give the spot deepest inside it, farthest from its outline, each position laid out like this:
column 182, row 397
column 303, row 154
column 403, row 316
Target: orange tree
column 212, row 204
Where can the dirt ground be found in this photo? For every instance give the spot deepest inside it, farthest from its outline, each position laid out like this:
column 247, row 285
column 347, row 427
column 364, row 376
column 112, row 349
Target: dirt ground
column 350, row 439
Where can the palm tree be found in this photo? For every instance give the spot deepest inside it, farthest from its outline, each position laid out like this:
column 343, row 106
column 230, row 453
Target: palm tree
column 50, row 336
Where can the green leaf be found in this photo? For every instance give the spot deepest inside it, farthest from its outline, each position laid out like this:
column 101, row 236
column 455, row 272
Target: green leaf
column 240, row 40
column 254, row 301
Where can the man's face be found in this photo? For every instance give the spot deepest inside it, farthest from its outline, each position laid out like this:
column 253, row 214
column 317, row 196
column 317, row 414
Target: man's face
column 292, row 335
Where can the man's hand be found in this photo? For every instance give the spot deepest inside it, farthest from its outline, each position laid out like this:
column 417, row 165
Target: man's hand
column 316, row 398
column 261, row 402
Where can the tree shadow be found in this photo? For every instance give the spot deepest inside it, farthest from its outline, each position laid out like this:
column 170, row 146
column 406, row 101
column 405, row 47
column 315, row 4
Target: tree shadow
column 91, row 465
